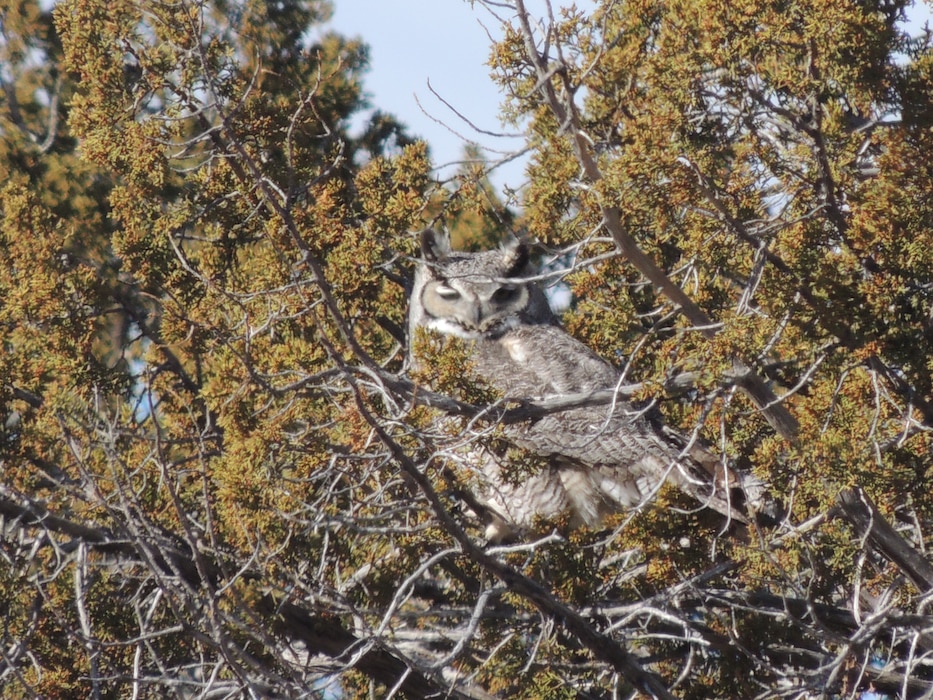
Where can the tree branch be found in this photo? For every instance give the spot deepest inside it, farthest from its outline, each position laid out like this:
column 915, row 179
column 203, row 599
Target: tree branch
column 517, row 409
column 600, row 645
column 871, row 525
column 566, row 115
column 320, row 634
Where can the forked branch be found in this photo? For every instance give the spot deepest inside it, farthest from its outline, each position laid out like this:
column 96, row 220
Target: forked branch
column 565, row 112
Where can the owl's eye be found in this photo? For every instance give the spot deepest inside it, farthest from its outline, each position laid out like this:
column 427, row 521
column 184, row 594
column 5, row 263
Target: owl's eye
column 504, row 294
column 448, row 293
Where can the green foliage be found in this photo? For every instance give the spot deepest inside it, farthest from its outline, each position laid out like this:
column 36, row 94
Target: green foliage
column 772, row 159
column 204, row 398
column 158, row 312
column 730, row 147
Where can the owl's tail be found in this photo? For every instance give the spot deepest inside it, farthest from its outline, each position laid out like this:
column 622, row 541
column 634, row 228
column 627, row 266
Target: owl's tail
column 736, row 494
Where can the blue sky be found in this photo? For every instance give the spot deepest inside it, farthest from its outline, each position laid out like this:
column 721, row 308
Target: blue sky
column 442, row 41
column 446, row 42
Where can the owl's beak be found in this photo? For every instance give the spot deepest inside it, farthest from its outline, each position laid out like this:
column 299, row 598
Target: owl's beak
column 477, row 319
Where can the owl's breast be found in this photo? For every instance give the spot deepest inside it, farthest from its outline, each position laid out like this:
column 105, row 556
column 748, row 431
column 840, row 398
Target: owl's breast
column 538, row 360
column 509, row 364
column 515, row 348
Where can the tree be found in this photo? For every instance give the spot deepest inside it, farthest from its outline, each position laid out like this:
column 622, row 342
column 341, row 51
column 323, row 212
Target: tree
column 215, row 180
column 754, row 157
column 219, row 477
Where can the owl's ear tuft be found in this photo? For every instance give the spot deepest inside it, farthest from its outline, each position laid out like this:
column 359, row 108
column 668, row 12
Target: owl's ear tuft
column 434, row 246
column 516, row 255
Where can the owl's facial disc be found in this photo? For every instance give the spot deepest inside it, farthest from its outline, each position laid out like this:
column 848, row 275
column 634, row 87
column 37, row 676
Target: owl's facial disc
column 474, row 306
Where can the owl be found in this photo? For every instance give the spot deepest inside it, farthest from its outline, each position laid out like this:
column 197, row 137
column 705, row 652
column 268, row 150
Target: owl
column 593, row 461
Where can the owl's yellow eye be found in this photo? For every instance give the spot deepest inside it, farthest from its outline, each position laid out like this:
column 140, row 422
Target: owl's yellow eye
column 504, row 294
column 448, row 293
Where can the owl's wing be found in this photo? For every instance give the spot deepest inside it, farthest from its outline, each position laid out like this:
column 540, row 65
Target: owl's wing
column 619, row 459
column 606, row 458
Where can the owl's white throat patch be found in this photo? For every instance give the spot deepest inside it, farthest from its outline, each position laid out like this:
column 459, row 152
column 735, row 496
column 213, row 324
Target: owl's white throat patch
column 492, row 331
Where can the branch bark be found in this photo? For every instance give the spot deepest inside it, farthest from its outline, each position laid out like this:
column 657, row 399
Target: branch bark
column 873, row 527
column 565, row 113
column 319, row 634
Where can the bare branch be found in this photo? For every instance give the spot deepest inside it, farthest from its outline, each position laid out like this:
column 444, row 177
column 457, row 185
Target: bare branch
column 870, row 524
column 564, row 110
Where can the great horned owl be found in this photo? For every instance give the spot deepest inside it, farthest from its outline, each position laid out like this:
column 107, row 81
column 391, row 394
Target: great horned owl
column 597, row 460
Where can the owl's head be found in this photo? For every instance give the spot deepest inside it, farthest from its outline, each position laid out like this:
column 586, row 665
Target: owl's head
column 475, row 295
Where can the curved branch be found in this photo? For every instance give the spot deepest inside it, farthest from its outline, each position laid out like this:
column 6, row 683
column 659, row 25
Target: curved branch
column 873, row 527
column 319, row 634
column 565, row 113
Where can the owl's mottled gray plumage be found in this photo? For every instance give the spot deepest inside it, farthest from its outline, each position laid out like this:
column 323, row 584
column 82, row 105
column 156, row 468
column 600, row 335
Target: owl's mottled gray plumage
column 598, row 460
